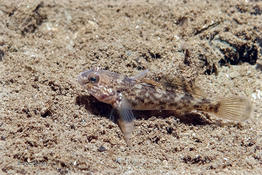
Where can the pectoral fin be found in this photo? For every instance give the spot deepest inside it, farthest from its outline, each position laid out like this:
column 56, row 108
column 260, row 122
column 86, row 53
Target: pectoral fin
column 126, row 120
column 125, row 111
column 126, row 128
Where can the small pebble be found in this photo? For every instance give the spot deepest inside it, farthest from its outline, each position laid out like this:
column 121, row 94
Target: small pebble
column 101, row 149
column 2, row 138
column 2, row 54
column 118, row 160
column 234, row 74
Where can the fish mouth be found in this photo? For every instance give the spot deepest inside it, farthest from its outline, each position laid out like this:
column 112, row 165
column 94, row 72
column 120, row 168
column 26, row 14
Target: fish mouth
column 80, row 80
column 105, row 98
column 82, row 77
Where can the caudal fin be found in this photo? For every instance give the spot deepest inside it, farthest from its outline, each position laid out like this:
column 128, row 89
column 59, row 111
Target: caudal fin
column 234, row 108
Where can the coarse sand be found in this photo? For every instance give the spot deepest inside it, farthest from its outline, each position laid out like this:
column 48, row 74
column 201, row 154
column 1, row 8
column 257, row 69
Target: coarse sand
column 50, row 125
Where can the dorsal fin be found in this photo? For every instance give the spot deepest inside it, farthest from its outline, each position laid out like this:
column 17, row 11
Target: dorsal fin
column 152, row 82
column 140, row 75
column 179, row 84
column 194, row 90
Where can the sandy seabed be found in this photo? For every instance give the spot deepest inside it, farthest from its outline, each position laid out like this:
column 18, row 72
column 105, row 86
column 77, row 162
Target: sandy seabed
column 47, row 127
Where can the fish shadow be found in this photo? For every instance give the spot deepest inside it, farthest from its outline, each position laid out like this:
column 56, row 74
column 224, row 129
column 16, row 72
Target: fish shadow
column 105, row 110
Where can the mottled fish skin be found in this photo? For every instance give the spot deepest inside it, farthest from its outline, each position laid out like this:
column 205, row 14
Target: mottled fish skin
column 138, row 93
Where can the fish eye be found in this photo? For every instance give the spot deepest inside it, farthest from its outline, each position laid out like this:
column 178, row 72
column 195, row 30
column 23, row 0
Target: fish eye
column 93, row 79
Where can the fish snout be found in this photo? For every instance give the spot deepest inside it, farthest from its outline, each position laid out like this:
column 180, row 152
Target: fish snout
column 82, row 78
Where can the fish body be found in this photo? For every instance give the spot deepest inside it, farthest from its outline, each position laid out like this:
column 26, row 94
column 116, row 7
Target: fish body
column 138, row 93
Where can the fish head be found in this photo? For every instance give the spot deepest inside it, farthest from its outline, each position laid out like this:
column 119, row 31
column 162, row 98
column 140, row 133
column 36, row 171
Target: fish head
column 101, row 84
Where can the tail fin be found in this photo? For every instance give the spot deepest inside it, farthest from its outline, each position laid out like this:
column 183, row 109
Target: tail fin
column 234, row 108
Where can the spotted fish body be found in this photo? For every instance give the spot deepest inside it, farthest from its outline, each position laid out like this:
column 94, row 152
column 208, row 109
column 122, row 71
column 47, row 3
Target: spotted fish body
column 138, row 93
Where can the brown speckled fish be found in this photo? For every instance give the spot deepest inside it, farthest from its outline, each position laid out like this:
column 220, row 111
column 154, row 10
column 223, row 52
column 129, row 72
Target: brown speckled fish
column 138, row 93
